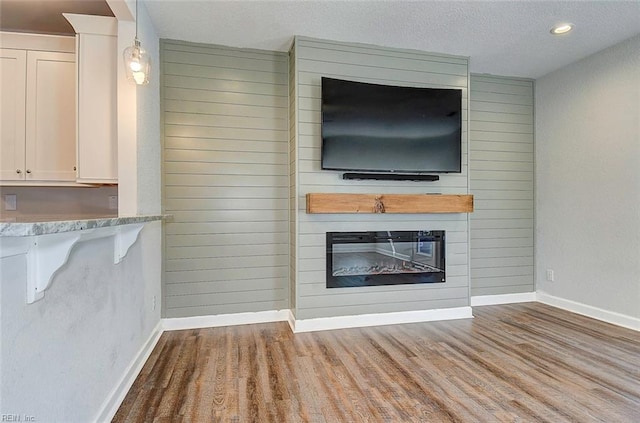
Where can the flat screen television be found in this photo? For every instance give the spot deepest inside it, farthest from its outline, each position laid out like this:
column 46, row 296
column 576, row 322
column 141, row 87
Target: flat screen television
column 381, row 128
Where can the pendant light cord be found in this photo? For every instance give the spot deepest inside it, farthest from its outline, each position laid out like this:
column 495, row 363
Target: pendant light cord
column 136, row 18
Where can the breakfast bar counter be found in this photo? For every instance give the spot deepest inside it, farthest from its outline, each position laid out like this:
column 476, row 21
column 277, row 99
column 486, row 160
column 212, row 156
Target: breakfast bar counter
column 47, row 244
column 40, row 226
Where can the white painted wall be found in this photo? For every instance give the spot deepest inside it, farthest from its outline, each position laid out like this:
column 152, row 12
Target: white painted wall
column 139, row 146
column 588, row 180
column 148, row 123
column 63, row 355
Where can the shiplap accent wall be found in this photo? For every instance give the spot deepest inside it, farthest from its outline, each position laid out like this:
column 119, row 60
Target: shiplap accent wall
column 225, row 179
column 358, row 62
column 501, row 171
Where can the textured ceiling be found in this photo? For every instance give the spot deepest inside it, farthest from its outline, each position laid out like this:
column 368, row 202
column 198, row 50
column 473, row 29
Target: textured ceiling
column 501, row 37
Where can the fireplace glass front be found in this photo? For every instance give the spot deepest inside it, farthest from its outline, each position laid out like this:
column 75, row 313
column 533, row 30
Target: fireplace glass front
column 385, row 258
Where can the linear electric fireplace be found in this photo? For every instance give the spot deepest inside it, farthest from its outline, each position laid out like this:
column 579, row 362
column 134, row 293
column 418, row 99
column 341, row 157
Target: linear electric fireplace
column 385, row 258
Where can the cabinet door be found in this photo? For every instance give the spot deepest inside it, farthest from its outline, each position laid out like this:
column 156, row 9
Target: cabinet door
column 97, row 111
column 13, row 67
column 51, row 116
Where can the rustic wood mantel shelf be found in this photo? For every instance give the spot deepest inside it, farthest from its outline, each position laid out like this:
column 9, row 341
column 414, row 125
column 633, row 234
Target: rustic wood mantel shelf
column 389, row 203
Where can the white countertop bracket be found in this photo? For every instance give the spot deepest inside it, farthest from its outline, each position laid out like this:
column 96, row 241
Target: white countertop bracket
column 45, row 256
column 125, row 237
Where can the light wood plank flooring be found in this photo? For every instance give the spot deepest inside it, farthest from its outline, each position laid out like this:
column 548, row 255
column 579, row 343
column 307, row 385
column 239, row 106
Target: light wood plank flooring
column 512, row 363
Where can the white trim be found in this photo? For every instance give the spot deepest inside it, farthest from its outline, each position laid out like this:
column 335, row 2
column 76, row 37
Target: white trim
column 92, row 24
column 482, row 300
column 42, row 42
column 292, row 321
column 363, row 320
column 110, row 406
column 590, row 311
column 196, row 322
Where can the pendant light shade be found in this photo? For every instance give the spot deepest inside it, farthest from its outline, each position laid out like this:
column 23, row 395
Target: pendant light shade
column 137, row 62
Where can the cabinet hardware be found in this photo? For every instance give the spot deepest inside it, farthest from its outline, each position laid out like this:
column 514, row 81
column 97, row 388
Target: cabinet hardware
column 74, row 168
column 28, row 170
column 18, row 171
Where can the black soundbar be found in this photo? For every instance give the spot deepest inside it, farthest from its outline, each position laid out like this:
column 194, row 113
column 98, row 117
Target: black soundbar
column 391, row 176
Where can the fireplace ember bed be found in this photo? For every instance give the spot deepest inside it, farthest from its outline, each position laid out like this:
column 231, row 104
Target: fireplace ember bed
column 385, row 258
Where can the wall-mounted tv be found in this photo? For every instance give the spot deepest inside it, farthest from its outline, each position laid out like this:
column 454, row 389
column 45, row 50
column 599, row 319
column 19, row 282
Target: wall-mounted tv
column 382, row 128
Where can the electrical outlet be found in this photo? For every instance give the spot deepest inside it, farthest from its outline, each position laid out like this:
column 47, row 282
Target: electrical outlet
column 550, row 276
column 10, row 202
column 153, row 303
column 113, row 202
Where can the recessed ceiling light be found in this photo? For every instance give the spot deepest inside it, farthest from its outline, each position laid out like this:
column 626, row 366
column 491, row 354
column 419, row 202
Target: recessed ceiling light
column 562, row 28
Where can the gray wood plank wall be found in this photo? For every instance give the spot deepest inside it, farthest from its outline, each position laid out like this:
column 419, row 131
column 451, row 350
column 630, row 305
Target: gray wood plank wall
column 501, row 171
column 317, row 58
column 225, row 179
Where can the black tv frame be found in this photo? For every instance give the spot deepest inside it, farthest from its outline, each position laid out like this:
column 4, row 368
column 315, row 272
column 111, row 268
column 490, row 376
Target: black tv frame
column 379, row 168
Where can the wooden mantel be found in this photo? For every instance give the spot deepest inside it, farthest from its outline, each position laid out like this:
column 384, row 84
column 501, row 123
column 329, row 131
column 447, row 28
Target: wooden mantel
column 389, row 203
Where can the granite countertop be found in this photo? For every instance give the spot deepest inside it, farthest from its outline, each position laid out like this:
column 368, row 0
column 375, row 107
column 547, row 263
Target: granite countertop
column 57, row 225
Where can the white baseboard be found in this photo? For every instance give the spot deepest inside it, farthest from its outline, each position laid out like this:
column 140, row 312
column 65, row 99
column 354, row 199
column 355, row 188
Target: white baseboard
column 482, row 300
column 590, row 311
column 309, row 325
column 110, row 406
column 363, row 320
column 181, row 323
column 292, row 321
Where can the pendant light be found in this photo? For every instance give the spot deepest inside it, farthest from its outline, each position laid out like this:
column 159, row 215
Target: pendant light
column 136, row 60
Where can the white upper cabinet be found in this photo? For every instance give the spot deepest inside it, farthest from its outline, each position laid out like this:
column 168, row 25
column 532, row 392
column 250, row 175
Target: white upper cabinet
column 59, row 106
column 96, row 49
column 37, row 130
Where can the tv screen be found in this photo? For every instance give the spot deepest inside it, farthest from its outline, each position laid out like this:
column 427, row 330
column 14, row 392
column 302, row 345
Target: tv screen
column 382, row 128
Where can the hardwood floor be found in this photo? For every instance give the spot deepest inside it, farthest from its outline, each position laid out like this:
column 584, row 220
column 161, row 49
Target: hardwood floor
column 512, row 363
